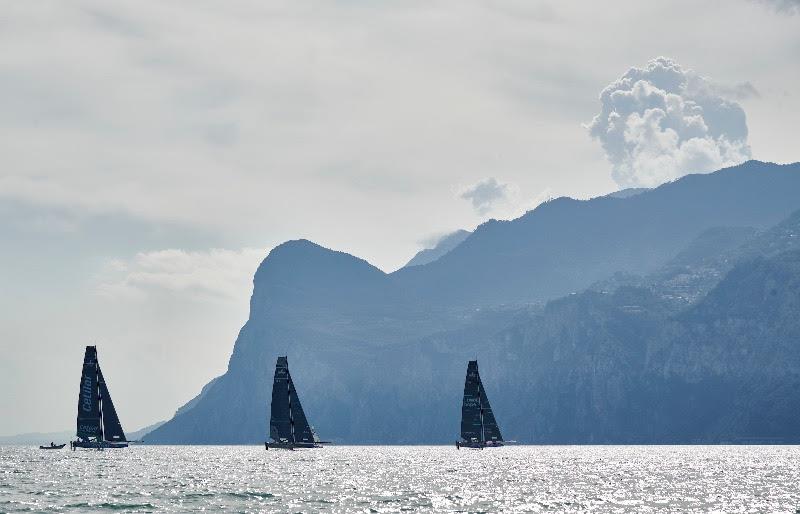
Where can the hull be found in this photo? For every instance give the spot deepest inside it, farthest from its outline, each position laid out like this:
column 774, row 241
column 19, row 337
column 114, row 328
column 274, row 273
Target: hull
column 289, row 446
column 54, row 447
column 98, row 445
column 479, row 444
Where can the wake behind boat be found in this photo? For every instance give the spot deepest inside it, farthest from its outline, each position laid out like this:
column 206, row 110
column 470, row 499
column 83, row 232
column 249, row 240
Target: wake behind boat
column 98, row 423
column 478, row 426
column 288, row 425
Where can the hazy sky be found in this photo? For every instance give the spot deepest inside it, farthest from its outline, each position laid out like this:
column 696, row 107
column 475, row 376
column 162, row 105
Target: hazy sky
column 153, row 152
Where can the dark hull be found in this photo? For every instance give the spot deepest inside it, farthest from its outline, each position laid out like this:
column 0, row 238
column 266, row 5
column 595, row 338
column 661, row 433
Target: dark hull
column 290, row 446
column 479, row 445
column 56, row 447
column 96, row 445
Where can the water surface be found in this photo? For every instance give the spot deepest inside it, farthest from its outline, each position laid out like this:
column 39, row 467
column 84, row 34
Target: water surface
column 397, row 478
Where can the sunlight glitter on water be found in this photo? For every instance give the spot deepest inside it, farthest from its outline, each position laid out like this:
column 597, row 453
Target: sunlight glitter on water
column 397, row 478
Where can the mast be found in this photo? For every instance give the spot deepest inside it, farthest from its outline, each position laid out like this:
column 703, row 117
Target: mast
column 483, row 426
column 289, row 395
column 100, row 396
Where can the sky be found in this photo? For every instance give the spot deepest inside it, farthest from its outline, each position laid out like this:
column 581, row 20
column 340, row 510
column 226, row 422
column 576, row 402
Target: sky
column 152, row 153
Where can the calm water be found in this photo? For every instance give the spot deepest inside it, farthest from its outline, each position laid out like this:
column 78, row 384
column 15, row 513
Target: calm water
column 393, row 479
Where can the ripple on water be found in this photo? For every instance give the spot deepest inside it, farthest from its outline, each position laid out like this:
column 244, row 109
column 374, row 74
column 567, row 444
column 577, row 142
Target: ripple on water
column 391, row 479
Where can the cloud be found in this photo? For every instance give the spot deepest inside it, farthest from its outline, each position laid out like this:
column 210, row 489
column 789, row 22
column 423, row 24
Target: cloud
column 784, row 6
column 660, row 122
column 136, row 110
column 485, row 195
column 215, row 274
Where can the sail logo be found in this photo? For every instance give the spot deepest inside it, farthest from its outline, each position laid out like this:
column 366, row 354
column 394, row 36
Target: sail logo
column 86, row 394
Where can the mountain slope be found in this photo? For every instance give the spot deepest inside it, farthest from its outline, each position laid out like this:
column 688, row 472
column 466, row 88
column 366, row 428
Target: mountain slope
column 630, row 367
column 442, row 247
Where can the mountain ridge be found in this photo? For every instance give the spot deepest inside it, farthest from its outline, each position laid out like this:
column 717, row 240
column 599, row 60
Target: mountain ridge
column 568, row 243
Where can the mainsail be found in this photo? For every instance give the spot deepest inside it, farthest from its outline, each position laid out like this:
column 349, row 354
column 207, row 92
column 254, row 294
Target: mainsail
column 471, row 424
column 478, row 424
column 287, row 421
column 89, row 424
column 280, row 426
column 97, row 417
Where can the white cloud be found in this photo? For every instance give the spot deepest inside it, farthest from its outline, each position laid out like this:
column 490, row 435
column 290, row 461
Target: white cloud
column 216, row 274
column 660, row 122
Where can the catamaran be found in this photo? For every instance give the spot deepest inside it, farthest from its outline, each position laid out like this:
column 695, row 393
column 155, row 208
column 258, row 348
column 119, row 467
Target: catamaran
column 98, row 424
column 288, row 425
column 478, row 426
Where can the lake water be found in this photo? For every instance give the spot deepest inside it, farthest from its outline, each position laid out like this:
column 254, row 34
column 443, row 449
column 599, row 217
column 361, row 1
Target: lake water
column 396, row 478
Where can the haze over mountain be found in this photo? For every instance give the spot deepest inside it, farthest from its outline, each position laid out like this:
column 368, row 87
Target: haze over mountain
column 442, row 246
column 380, row 357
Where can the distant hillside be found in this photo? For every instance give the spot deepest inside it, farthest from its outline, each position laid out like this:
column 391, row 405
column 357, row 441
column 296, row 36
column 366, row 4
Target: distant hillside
column 37, row 438
column 43, row 438
column 694, row 271
column 443, row 246
column 138, row 435
column 380, row 358
column 631, row 367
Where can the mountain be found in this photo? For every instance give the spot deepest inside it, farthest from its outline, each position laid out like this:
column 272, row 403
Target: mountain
column 380, row 358
column 565, row 245
column 443, row 246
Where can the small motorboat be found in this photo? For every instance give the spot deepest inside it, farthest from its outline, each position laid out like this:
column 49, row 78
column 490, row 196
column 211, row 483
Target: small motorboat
column 53, row 446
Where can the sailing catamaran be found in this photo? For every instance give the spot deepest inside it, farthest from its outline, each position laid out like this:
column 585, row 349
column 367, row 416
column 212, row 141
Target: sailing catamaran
column 98, row 424
column 478, row 427
column 288, row 425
